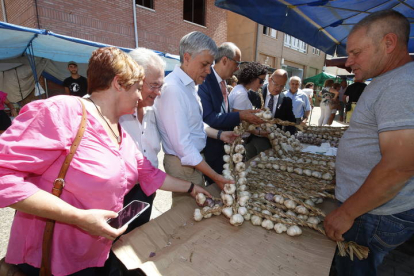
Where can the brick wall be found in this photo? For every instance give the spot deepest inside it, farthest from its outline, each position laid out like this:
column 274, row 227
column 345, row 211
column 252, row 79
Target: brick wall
column 21, row 12
column 111, row 21
column 162, row 28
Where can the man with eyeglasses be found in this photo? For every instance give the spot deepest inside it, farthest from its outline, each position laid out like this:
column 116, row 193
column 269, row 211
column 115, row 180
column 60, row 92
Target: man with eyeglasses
column 141, row 125
column 300, row 101
column 216, row 108
column 278, row 104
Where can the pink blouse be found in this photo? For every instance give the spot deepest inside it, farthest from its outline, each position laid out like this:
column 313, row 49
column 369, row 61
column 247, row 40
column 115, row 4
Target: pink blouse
column 32, row 151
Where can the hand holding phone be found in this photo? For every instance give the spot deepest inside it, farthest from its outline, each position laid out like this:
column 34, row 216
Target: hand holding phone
column 128, row 214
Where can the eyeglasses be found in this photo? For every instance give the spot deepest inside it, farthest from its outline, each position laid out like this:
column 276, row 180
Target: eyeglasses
column 154, row 87
column 238, row 62
column 275, row 84
column 261, row 80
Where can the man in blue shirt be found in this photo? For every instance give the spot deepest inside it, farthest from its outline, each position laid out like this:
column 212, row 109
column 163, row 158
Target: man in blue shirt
column 300, row 101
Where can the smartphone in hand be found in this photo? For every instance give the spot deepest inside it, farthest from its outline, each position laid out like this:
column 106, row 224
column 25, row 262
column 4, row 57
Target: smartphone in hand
column 128, row 214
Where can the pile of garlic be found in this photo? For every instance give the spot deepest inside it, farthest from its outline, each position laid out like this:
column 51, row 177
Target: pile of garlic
column 319, row 135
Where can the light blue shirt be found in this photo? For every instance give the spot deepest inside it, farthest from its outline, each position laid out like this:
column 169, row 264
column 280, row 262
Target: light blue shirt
column 300, row 102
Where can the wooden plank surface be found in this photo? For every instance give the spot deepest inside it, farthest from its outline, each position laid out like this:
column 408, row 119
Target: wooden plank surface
column 174, row 244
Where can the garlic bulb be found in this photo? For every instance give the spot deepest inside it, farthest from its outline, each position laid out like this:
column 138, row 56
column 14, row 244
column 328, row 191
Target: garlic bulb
column 206, row 209
column 236, row 220
column 278, row 199
column 227, row 200
column 313, row 220
column 237, row 158
column 226, row 166
column 309, row 202
column 200, row 199
column 197, row 215
column 226, row 172
column 267, row 115
column 276, row 166
column 266, row 212
column 229, row 188
column 242, row 181
column 290, row 213
column 227, row 149
column 307, row 172
column 216, row 210
column 243, row 174
column 327, row 176
column 319, row 200
column 240, row 167
column 256, row 220
column 247, row 216
column 226, row 158
column 242, row 188
column 267, row 224
column 298, row 171
column 303, row 217
column 280, row 228
column 228, row 212
column 289, row 169
column 301, row 210
column 294, row 231
column 316, row 174
column 242, row 211
column 239, row 149
column 290, row 204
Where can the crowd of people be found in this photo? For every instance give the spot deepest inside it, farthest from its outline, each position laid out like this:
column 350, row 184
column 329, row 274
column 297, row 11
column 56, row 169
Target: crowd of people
column 131, row 110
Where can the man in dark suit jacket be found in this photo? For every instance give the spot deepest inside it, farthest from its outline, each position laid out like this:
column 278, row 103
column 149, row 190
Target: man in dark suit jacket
column 216, row 109
column 280, row 105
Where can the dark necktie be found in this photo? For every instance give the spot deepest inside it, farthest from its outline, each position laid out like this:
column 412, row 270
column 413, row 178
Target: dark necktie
column 271, row 101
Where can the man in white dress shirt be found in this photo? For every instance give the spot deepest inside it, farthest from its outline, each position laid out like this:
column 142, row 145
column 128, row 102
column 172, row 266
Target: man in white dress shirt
column 141, row 125
column 179, row 112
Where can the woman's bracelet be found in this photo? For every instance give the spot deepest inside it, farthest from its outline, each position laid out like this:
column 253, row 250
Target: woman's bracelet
column 219, row 134
column 190, row 190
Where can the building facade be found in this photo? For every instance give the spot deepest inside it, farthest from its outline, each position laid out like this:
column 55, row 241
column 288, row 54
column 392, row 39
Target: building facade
column 157, row 24
column 276, row 49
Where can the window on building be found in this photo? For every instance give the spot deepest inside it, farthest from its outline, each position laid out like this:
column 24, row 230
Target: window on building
column 270, row 32
column 194, row 11
column 295, row 44
column 316, row 51
column 145, row 3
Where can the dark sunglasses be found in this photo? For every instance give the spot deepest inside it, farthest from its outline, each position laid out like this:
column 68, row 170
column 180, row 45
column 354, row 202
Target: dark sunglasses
column 261, row 80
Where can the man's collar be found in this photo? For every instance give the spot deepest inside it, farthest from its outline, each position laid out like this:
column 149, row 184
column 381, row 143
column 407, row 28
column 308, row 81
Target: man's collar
column 219, row 79
column 183, row 76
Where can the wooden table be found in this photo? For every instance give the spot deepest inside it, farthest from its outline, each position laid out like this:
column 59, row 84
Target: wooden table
column 174, row 244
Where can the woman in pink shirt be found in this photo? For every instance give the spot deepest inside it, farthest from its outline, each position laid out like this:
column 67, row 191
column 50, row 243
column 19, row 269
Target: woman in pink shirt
column 105, row 167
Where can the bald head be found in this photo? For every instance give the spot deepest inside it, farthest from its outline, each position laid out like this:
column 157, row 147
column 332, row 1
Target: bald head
column 277, row 81
column 380, row 23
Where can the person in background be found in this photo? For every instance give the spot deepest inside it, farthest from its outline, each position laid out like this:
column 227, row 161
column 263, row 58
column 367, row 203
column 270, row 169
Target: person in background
column 335, row 105
column 233, row 80
column 375, row 164
column 251, row 78
column 105, row 167
column 309, row 91
column 279, row 105
column 342, row 89
column 5, row 121
column 178, row 111
column 75, row 85
column 216, row 107
column 141, row 125
column 329, row 96
column 353, row 92
column 300, row 101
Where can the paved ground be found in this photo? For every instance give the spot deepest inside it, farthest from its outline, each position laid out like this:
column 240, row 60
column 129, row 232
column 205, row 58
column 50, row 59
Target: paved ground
column 399, row 262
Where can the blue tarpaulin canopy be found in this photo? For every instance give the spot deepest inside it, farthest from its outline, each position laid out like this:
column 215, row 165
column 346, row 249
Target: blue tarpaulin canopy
column 46, row 44
column 323, row 24
column 26, row 53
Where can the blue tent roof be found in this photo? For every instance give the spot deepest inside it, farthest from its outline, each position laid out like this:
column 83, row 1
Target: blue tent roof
column 323, row 24
column 15, row 39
